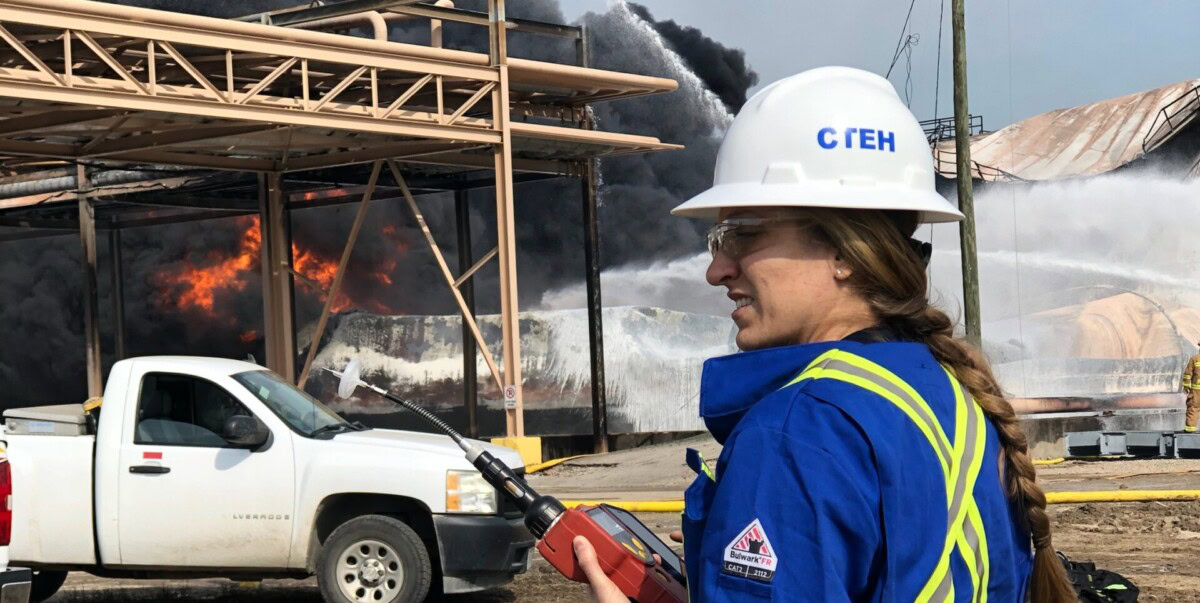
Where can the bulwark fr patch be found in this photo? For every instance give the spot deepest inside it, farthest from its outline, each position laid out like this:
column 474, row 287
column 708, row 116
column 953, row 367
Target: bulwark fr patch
column 751, row 555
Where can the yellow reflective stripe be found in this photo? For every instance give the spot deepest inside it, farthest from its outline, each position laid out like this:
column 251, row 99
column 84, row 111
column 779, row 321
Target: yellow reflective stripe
column 961, row 461
column 970, row 534
column 970, row 438
column 865, row 364
column 824, row 373
column 969, row 557
column 982, row 561
column 973, row 545
column 705, row 467
column 890, row 387
column 960, row 449
column 955, row 510
column 811, row 368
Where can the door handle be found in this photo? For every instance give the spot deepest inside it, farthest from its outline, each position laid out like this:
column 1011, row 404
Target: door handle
column 156, row 469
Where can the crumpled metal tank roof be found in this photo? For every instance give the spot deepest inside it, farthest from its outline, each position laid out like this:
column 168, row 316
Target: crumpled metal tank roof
column 1078, row 141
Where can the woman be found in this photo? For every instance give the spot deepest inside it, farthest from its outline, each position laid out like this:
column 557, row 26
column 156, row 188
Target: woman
column 868, row 455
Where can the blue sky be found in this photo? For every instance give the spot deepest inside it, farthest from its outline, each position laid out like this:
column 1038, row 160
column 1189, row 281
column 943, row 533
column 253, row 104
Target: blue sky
column 1024, row 56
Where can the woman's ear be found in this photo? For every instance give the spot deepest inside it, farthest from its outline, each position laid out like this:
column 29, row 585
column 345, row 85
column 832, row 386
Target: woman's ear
column 841, row 268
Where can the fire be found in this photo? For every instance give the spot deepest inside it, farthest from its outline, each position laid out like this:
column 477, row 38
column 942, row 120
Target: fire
column 383, row 275
column 319, row 270
column 249, row 336
column 198, row 286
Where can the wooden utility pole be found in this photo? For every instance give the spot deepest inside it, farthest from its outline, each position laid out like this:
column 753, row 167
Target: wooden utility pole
column 962, row 152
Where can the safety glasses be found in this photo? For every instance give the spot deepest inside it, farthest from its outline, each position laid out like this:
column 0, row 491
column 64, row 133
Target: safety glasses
column 736, row 237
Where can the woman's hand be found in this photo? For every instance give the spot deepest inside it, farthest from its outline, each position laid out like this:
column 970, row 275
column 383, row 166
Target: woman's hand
column 603, row 589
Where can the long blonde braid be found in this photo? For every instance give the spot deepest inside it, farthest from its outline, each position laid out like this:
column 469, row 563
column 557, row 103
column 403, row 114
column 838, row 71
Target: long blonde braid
column 888, row 273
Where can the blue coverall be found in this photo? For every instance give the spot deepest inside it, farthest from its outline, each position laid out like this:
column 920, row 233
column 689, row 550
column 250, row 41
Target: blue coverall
column 828, row 491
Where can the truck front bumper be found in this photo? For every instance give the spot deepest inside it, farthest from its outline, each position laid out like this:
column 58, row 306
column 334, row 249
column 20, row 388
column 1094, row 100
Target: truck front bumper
column 15, row 584
column 481, row 551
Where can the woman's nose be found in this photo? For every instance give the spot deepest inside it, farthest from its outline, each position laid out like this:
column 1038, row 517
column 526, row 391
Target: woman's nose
column 721, row 269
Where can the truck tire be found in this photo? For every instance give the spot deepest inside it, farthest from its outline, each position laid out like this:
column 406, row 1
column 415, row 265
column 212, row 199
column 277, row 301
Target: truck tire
column 374, row 559
column 45, row 584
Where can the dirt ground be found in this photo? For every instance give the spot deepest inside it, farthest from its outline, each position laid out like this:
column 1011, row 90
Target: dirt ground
column 1154, row 544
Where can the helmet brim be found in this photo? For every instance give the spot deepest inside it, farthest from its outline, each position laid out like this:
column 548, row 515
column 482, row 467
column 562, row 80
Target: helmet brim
column 934, row 208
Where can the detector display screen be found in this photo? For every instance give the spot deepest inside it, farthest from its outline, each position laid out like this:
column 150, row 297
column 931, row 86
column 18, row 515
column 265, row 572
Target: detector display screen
column 626, row 528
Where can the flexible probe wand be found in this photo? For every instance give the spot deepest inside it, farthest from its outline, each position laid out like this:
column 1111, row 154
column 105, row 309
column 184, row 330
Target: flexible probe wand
column 624, row 546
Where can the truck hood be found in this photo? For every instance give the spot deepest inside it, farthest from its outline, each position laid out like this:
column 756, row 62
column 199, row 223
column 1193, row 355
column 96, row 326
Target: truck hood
column 424, row 442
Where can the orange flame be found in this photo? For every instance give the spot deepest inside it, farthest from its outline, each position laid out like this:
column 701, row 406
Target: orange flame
column 321, row 271
column 199, row 285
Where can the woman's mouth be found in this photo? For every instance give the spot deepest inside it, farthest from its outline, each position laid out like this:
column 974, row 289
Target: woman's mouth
column 742, row 302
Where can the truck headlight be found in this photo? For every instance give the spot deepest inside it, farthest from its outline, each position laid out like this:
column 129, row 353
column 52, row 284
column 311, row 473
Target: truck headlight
column 468, row 492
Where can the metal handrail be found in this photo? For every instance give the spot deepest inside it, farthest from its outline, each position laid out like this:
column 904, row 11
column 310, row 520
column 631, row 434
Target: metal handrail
column 943, row 128
column 1165, row 116
column 979, row 170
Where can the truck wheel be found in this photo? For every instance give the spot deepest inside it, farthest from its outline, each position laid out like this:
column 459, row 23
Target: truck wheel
column 45, row 584
column 374, row 559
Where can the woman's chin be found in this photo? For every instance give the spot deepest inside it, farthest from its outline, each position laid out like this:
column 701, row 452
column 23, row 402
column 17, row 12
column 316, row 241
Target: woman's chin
column 747, row 341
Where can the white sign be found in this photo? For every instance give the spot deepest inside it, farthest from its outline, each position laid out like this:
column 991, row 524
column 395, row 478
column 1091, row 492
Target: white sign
column 510, row 397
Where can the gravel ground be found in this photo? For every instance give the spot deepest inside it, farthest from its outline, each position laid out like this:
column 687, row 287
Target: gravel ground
column 1153, row 543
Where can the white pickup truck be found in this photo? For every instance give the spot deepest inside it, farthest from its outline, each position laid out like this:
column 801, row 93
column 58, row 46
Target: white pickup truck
column 203, row 467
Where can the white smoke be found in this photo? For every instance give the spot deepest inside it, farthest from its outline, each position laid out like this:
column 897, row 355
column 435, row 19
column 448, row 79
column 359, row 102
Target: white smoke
column 675, row 285
column 1043, row 249
column 1043, row 245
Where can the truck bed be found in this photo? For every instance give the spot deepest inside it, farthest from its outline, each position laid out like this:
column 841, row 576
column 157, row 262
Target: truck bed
column 56, row 494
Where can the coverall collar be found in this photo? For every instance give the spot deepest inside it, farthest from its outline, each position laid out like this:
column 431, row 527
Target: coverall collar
column 730, row 385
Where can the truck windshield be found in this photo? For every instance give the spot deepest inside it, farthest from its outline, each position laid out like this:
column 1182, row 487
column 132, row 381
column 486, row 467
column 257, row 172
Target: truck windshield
column 299, row 410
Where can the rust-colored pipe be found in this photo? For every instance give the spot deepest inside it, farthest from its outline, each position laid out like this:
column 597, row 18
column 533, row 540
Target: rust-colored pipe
column 378, row 22
column 1029, row 406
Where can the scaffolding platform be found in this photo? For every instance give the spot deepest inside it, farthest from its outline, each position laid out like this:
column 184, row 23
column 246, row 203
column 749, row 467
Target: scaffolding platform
column 1140, row 444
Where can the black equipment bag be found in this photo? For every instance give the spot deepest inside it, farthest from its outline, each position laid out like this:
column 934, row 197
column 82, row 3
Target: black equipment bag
column 1097, row 585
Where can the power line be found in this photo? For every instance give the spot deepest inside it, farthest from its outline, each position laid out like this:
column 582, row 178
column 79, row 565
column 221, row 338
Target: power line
column 913, row 40
column 902, row 40
column 937, row 81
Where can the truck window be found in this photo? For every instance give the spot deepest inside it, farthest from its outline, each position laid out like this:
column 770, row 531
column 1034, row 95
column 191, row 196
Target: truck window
column 303, row 413
column 181, row 410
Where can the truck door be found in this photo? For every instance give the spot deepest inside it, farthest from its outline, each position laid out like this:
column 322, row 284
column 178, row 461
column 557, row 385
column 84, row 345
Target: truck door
column 187, row 497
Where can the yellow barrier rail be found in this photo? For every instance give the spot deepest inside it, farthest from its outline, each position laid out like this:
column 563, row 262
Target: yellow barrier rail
column 1053, row 498
column 534, row 468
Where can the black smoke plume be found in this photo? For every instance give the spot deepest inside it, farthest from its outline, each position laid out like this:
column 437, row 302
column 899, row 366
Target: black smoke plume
column 392, row 270
column 724, row 70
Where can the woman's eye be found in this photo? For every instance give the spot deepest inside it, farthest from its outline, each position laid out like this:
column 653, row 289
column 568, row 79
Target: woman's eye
column 744, row 236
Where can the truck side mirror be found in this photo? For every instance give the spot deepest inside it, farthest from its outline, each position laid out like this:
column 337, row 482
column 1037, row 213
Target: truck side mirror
column 245, row 431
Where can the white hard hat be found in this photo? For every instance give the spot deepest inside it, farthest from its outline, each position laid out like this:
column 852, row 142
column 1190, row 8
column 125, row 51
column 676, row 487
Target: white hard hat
column 827, row 137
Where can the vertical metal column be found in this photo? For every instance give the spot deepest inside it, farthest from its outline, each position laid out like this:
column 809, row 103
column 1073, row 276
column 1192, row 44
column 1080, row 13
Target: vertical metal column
column 118, row 292
column 277, row 299
column 505, row 231
column 591, row 256
column 91, row 324
column 462, row 215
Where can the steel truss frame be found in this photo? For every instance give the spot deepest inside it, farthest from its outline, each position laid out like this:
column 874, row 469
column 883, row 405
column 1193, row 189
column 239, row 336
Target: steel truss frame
column 84, row 82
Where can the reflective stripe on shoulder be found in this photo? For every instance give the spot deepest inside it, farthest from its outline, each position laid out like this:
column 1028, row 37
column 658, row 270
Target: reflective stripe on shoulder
column 960, row 461
column 856, row 370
